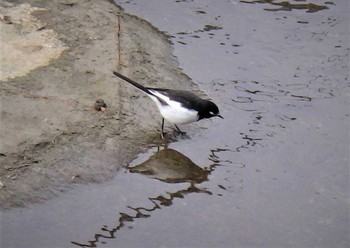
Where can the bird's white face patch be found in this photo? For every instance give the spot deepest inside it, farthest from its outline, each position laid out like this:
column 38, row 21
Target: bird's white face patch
column 173, row 112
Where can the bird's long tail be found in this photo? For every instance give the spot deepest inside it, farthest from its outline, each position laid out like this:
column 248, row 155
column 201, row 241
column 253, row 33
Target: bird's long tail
column 132, row 82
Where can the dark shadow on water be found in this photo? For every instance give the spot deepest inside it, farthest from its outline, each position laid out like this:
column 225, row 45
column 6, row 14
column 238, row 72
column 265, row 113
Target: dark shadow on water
column 287, row 6
column 166, row 165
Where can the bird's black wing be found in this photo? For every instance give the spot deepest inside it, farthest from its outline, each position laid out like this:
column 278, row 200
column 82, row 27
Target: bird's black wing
column 186, row 98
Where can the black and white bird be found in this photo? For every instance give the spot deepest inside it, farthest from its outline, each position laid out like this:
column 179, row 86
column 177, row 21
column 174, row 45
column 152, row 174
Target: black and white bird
column 177, row 106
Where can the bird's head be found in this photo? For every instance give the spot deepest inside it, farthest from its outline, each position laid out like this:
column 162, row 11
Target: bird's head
column 210, row 110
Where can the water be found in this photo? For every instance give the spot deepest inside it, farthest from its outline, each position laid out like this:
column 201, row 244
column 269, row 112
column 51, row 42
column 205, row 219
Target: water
column 273, row 173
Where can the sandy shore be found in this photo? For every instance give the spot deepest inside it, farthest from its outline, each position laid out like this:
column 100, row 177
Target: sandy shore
column 51, row 135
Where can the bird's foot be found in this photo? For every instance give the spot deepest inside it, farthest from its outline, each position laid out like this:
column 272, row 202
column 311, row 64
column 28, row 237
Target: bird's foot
column 162, row 134
column 181, row 133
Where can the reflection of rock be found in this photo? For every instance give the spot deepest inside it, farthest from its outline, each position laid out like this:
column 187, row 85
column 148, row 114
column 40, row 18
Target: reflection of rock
column 168, row 166
column 286, row 6
column 171, row 166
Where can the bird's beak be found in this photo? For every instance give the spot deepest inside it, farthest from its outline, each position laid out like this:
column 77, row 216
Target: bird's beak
column 220, row 116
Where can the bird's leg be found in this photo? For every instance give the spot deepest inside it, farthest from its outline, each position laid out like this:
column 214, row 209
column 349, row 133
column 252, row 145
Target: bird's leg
column 162, row 131
column 179, row 131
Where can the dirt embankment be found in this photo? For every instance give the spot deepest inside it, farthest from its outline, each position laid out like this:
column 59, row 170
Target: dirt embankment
column 51, row 136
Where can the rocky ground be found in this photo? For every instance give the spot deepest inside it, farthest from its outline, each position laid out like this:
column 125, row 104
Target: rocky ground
column 57, row 59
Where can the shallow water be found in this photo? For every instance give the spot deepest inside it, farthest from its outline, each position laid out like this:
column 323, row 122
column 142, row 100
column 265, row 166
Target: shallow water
column 273, row 173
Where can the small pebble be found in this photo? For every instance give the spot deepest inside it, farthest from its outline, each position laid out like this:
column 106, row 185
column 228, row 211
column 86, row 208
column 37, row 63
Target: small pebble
column 100, row 105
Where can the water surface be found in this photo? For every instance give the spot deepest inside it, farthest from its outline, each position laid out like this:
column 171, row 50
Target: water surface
column 273, row 173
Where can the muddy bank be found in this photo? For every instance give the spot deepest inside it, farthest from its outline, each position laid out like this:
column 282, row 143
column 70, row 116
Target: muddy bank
column 51, row 136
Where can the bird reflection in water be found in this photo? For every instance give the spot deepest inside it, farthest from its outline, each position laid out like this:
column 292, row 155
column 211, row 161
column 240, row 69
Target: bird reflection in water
column 169, row 166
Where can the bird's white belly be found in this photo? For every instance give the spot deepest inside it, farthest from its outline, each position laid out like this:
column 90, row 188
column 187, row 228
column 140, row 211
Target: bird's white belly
column 173, row 112
column 178, row 115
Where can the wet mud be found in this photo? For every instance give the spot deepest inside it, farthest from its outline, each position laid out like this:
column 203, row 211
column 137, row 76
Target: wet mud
column 52, row 135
